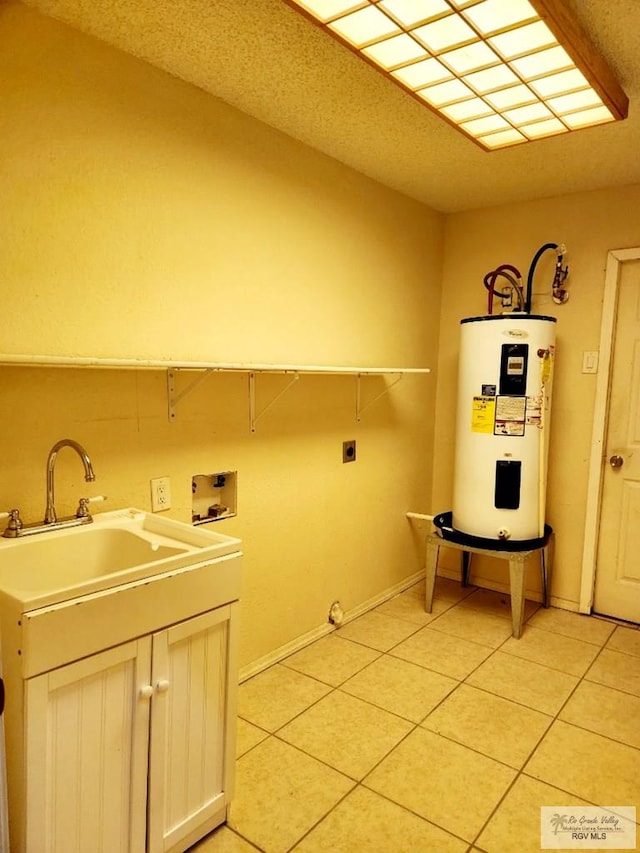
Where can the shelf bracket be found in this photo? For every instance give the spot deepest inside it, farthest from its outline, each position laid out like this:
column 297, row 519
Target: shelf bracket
column 172, row 398
column 360, row 408
column 254, row 416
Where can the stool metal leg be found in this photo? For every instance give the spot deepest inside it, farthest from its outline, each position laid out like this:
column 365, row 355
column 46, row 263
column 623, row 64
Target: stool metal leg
column 516, row 582
column 466, row 567
column 433, row 549
column 546, row 562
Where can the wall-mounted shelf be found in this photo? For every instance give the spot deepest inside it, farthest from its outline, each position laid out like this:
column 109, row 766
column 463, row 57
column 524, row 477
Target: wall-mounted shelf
column 206, row 369
column 294, row 371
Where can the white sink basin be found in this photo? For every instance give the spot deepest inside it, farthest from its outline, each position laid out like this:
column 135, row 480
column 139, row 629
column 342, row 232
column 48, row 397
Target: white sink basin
column 117, row 548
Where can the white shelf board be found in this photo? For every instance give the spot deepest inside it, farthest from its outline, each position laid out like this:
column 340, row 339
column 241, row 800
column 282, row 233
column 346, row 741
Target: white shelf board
column 170, row 364
column 206, row 368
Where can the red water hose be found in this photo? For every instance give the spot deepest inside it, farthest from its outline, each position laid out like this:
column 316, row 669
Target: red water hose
column 504, row 270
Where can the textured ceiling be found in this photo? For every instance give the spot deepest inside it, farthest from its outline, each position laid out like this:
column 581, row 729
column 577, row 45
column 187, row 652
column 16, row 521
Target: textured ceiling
column 264, row 58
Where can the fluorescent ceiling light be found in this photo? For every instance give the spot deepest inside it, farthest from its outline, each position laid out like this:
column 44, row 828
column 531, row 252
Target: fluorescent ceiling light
column 501, row 71
column 420, row 74
column 398, row 50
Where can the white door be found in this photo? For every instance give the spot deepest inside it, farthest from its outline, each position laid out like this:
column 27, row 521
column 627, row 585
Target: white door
column 87, row 745
column 617, row 586
column 191, row 759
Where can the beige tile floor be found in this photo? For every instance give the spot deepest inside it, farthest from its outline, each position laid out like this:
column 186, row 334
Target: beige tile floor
column 408, row 732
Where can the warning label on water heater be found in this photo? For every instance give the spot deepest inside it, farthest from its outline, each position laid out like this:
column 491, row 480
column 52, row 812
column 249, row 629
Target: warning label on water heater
column 534, row 410
column 510, row 415
column 483, row 415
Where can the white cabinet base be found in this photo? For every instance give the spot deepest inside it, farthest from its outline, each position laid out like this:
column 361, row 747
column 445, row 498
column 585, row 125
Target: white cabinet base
column 130, row 749
column 192, row 728
column 87, row 745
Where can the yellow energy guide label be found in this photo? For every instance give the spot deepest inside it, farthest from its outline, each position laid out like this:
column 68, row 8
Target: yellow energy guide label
column 483, row 414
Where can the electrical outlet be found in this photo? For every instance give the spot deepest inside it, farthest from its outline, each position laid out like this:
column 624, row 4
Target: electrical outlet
column 349, row 451
column 160, row 494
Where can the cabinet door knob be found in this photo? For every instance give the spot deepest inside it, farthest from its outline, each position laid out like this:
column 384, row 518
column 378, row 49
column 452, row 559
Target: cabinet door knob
column 146, row 691
column 162, row 685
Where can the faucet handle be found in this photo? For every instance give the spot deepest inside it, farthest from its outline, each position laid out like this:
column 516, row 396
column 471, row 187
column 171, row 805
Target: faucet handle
column 14, row 526
column 83, row 506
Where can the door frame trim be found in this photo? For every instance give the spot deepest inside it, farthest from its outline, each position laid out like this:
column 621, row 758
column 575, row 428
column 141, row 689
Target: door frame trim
column 615, row 259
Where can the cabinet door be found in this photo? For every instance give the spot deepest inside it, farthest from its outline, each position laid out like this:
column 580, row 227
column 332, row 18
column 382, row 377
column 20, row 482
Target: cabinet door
column 193, row 719
column 87, row 727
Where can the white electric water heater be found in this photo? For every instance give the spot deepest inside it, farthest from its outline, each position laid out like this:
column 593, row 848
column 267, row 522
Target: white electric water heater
column 502, row 427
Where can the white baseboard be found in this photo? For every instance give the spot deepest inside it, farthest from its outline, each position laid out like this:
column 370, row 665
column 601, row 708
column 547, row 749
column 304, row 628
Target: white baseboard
column 489, row 583
column 529, row 594
column 327, row 628
column 323, row 630
column 564, row 604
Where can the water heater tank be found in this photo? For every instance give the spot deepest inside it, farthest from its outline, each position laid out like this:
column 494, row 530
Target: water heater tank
column 502, row 427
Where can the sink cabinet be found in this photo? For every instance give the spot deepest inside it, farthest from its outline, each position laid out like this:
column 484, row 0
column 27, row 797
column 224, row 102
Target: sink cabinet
column 130, row 748
column 192, row 744
column 86, row 753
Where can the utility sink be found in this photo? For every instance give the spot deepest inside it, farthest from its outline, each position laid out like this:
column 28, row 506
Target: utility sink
column 119, row 652
column 117, row 548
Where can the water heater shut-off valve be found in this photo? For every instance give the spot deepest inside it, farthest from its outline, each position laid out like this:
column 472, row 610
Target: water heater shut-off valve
column 559, row 293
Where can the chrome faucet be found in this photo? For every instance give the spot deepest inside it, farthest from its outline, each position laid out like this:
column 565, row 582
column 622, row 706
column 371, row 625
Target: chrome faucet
column 16, row 528
column 50, row 516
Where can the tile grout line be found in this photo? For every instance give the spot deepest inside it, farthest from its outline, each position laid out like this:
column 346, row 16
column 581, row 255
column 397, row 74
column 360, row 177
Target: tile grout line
column 332, row 688
column 519, row 772
column 415, row 727
column 320, row 820
column 522, row 771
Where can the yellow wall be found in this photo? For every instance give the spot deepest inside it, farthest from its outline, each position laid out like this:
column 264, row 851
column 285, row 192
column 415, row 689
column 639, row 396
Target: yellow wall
column 590, row 224
column 143, row 218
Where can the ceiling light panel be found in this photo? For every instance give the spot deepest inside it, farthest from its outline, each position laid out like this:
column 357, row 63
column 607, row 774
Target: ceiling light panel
column 470, row 58
column 446, row 93
column 560, row 84
column 463, row 4
column 575, row 101
column 488, row 124
column 524, row 115
column 364, row 26
column 523, row 40
column 410, row 13
column 465, row 110
column 324, row 10
column 514, row 96
column 502, row 71
column 491, row 79
column 586, row 118
column 420, row 74
column 445, row 34
column 550, row 127
column 493, row 16
column 542, row 62
column 397, row 50
column 502, row 140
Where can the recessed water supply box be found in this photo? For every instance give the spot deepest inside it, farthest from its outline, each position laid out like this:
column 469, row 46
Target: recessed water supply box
column 502, row 429
column 214, row 496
